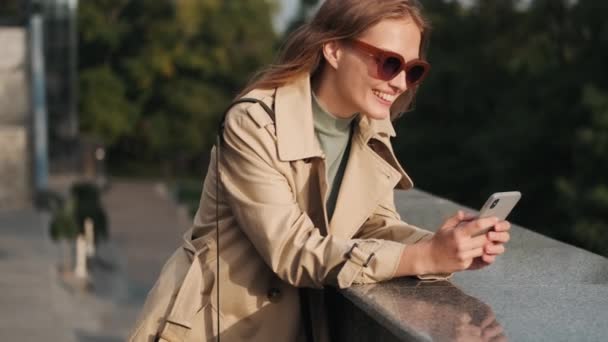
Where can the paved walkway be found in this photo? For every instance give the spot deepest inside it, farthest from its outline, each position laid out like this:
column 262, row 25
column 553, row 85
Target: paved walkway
column 146, row 226
column 30, row 301
column 36, row 304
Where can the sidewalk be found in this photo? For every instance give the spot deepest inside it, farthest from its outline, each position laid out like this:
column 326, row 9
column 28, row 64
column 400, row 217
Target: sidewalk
column 146, row 226
column 37, row 304
column 31, row 305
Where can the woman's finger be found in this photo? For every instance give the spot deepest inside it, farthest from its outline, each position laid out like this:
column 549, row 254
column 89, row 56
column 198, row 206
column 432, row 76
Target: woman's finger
column 453, row 220
column 488, row 258
column 459, row 217
column 502, row 237
column 473, row 253
column 499, row 338
column 465, row 318
column 476, row 242
column 466, row 216
column 492, row 331
column 488, row 319
column 478, row 225
column 494, row 249
column 467, row 332
column 502, row 226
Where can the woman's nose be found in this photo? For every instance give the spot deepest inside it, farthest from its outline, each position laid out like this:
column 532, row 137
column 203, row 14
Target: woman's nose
column 399, row 82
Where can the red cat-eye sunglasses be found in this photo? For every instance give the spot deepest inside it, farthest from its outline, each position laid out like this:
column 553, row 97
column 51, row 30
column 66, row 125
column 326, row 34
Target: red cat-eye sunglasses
column 389, row 64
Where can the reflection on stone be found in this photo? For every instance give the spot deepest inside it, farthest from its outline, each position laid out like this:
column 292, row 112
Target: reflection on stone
column 439, row 310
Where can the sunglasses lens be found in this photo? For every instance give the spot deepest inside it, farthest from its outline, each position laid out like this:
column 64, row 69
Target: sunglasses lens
column 391, row 67
column 415, row 73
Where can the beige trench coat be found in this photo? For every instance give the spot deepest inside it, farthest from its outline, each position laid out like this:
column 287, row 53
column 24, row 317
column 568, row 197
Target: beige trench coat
column 274, row 231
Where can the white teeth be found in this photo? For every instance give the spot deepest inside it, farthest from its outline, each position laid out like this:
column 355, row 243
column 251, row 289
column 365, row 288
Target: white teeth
column 384, row 96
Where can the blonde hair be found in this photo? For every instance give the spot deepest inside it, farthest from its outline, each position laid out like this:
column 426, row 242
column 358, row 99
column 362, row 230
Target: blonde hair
column 337, row 20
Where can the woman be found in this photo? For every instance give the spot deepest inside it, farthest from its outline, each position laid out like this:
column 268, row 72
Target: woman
column 306, row 192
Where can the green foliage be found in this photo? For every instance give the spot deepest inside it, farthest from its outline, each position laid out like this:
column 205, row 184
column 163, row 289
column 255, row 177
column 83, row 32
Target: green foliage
column 108, row 115
column 63, row 224
column 156, row 75
column 10, row 9
column 585, row 191
column 517, row 97
column 517, row 100
column 69, row 215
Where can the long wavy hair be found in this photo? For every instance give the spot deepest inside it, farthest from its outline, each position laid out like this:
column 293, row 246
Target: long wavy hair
column 336, row 20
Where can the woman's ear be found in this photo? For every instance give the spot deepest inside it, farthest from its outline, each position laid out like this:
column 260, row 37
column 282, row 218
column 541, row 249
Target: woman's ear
column 332, row 51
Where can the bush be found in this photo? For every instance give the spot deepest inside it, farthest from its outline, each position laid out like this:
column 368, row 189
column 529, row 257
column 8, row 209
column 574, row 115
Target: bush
column 63, row 223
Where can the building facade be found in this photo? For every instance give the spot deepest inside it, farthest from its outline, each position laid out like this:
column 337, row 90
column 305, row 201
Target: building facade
column 38, row 105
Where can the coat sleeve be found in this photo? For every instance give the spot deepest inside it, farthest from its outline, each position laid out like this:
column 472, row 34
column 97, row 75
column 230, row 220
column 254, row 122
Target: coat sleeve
column 385, row 223
column 265, row 208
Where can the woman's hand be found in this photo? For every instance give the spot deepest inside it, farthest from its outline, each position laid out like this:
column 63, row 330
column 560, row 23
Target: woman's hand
column 495, row 246
column 455, row 248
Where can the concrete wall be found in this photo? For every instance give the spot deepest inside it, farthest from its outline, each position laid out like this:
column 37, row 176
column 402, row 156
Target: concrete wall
column 15, row 184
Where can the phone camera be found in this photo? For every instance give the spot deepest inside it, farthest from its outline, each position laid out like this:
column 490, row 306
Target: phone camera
column 494, row 203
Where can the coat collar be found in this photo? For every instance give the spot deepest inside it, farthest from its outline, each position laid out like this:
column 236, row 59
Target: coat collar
column 296, row 96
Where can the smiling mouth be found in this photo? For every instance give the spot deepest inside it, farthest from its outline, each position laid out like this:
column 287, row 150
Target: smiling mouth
column 385, row 97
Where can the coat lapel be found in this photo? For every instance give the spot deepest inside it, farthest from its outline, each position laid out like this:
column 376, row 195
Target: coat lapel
column 366, row 179
column 368, row 175
column 294, row 122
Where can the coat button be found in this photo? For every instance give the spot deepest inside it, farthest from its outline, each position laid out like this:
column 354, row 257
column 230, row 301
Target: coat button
column 274, row 294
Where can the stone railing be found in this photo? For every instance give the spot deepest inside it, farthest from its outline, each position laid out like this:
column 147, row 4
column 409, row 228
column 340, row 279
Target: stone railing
column 540, row 290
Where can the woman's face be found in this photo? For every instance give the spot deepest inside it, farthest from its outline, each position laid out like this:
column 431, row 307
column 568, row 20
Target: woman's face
column 358, row 85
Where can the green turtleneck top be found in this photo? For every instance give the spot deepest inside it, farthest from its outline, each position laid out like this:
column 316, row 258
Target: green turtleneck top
column 334, row 136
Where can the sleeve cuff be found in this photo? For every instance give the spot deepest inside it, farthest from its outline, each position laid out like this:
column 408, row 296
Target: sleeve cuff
column 435, row 277
column 370, row 261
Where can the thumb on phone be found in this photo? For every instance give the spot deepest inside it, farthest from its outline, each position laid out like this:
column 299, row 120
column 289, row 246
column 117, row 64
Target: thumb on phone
column 459, row 217
column 480, row 224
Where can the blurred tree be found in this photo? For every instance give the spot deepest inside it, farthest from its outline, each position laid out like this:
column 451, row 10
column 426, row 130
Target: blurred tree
column 585, row 193
column 516, row 100
column 106, row 112
column 156, row 75
column 11, row 9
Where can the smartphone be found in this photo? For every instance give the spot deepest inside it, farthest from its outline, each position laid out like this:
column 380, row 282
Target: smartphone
column 499, row 204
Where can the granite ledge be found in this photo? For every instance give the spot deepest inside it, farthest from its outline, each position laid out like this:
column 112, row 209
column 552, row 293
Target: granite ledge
column 540, row 290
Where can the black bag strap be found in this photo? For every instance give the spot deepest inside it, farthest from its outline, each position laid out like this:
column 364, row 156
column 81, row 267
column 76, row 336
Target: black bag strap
column 304, row 302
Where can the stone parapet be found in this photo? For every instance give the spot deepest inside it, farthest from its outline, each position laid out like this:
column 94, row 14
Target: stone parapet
column 540, row 290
